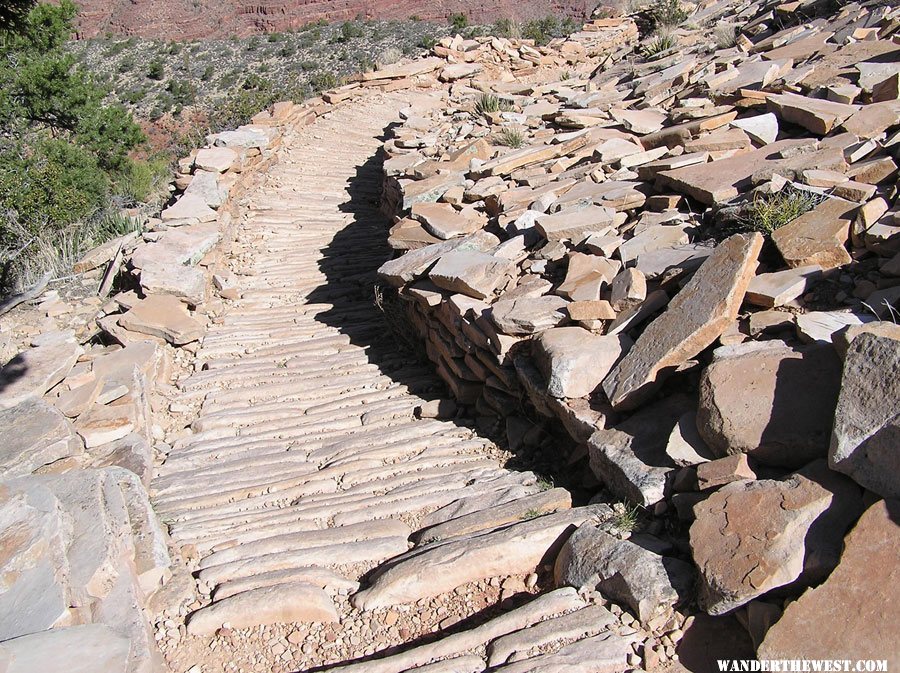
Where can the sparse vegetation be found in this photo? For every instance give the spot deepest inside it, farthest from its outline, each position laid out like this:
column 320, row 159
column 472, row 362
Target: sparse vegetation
column 511, row 138
column 625, row 517
column 458, row 21
column 488, row 103
column 64, row 151
column 667, row 13
column 658, row 44
column 766, row 213
column 725, row 35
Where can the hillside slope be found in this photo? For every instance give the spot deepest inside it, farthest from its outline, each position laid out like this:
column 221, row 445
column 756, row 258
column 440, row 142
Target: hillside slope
column 199, row 19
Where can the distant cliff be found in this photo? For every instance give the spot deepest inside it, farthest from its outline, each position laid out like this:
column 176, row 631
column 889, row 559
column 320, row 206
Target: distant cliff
column 199, row 19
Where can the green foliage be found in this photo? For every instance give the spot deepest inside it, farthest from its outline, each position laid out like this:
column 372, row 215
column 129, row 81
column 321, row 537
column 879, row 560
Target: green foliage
column 61, row 146
column 769, row 212
column 143, row 181
column 156, row 70
column 488, row 103
column 458, row 21
column 510, row 138
column 658, row 44
column 49, row 183
column 667, row 13
column 351, row 30
column 322, row 81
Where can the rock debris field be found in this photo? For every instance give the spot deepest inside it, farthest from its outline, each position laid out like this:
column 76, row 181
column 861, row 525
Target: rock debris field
column 307, row 419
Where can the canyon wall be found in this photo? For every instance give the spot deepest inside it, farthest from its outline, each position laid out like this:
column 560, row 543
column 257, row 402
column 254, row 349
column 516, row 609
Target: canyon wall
column 202, row 19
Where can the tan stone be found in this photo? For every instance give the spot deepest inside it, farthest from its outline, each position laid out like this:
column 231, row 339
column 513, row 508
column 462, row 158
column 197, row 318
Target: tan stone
column 34, row 371
column 163, row 316
column 860, row 600
column 575, row 224
column 750, row 537
column 715, row 473
column 780, row 287
column 818, row 236
column 703, row 309
column 770, row 401
column 591, row 310
column 289, row 603
column 814, row 114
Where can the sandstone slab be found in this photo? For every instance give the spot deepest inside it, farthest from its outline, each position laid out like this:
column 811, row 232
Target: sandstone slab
column 435, row 569
column 773, row 403
column 472, row 273
column 864, row 442
column 528, row 315
column 216, row 159
column 628, row 571
column 163, row 316
column 267, row 605
column 631, row 459
column 701, row 312
column 35, row 434
column 860, row 600
column 818, row 236
column 575, row 361
column 34, row 371
column 751, row 537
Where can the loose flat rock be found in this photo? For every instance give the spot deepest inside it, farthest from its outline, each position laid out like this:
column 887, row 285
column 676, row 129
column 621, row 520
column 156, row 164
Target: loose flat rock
column 34, row 371
column 628, row 571
column 860, row 600
column 698, row 315
column 818, row 236
column 99, row 648
column 775, row 404
column 814, row 114
column 575, row 361
column 631, row 459
column 750, row 537
column 472, row 273
column 528, row 315
column 35, row 434
column 189, row 207
column 575, row 224
column 518, row 548
column 267, row 605
column 780, row 287
column 217, row 159
column 867, row 421
column 162, row 316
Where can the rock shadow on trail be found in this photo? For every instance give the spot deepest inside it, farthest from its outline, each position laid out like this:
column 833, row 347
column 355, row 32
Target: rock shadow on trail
column 350, row 261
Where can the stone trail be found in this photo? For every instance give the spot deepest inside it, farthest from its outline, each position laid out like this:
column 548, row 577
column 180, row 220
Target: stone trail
column 307, row 473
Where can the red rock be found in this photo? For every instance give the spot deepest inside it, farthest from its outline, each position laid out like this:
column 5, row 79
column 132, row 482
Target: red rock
column 701, row 312
column 860, row 600
column 179, row 20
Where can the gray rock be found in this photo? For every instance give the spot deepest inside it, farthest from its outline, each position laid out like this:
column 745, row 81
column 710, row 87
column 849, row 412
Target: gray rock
column 865, row 443
column 205, row 184
column 34, row 371
column 91, row 648
column 629, row 571
column 631, row 459
column 528, row 315
column 35, row 434
column 575, row 361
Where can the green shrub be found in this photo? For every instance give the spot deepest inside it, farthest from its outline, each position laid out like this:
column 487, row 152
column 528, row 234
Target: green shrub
column 667, row 13
column 351, row 30
column 488, row 103
column 156, row 70
column 458, row 21
column 510, row 138
column 768, row 212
